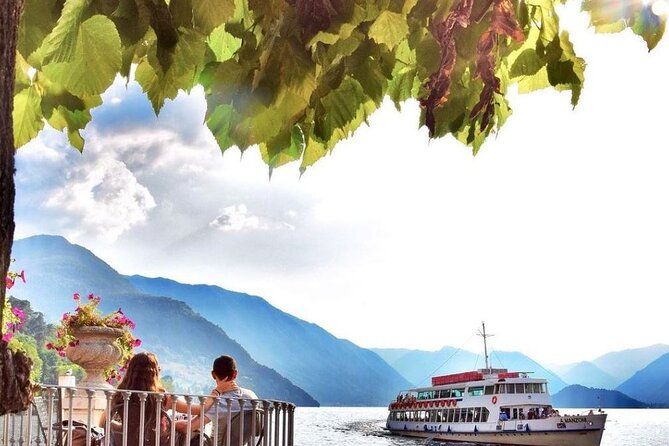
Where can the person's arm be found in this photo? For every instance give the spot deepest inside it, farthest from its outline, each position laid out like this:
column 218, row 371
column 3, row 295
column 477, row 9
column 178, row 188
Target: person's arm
column 182, row 425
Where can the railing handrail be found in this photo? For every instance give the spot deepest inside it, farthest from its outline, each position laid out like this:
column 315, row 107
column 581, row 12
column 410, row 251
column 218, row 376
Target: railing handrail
column 249, row 420
column 166, row 393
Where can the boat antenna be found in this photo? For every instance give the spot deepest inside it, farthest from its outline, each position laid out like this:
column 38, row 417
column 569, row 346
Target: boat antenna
column 485, row 337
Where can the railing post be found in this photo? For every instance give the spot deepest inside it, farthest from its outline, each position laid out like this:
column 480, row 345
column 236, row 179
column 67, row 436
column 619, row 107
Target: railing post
column 142, row 417
column 228, row 421
column 240, row 403
column 252, row 439
column 109, row 395
column 277, row 421
column 291, row 424
column 266, row 419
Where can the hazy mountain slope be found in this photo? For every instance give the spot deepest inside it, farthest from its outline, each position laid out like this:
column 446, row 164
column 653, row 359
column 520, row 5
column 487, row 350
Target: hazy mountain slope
column 588, row 374
column 651, row 384
column 576, row 396
column 335, row 371
column 418, row 366
column 185, row 342
column 391, row 355
column 623, row 364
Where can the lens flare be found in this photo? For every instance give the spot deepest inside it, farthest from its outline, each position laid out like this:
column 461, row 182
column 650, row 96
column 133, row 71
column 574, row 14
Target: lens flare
column 660, row 8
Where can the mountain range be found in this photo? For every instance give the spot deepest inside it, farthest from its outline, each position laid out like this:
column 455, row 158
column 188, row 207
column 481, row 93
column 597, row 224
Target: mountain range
column 418, row 366
column 187, row 326
column 650, row 384
column 586, row 373
column 575, row 396
column 283, row 357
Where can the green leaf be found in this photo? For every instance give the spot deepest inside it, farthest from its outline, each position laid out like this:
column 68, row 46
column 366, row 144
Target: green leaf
column 61, row 44
column 286, row 148
column 649, row 26
column 528, row 63
column 187, row 60
column 208, row 14
column 223, row 44
column 92, row 61
column 220, row 124
column 390, row 28
column 27, row 116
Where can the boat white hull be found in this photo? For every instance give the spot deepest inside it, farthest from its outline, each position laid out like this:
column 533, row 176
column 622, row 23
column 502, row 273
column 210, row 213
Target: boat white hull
column 573, row 438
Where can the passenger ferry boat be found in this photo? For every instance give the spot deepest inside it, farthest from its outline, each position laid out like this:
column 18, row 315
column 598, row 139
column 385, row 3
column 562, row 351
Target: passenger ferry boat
column 490, row 406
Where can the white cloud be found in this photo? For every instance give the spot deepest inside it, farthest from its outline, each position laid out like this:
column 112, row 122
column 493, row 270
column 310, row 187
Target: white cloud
column 237, row 218
column 104, row 199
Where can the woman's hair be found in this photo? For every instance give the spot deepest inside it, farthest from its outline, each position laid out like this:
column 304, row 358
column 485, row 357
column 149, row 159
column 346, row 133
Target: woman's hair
column 225, row 367
column 143, row 374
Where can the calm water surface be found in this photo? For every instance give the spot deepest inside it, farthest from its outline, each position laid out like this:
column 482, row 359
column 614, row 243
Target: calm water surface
column 364, row 427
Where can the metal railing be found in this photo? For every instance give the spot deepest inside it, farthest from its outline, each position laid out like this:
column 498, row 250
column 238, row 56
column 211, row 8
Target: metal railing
column 68, row 416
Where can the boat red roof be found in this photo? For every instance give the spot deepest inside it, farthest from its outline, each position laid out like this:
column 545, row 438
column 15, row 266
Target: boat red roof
column 457, row 378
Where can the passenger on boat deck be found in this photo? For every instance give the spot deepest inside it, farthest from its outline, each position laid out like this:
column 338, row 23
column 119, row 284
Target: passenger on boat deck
column 224, row 374
column 503, row 416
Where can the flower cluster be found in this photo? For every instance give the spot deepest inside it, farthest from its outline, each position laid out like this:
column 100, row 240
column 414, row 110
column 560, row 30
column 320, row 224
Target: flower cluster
column 14, row 318
column 87, row 314
column 10, row 280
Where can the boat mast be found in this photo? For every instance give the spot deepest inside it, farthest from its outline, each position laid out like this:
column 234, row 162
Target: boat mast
column 485, row 345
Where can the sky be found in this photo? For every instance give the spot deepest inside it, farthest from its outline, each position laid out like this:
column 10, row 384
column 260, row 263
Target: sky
column 556, row 233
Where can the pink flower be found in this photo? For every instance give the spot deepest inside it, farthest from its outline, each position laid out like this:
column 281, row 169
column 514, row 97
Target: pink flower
column 19, row 313
column 76, row 296
column 66, row 316
column 49, row 346
column 9, row 282
column 136, row 342
column 91, row 296
column 61, row 353
column 7, row 336
column 23, row 276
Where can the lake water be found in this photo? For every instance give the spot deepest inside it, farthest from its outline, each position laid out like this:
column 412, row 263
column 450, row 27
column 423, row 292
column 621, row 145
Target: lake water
column 364, row 427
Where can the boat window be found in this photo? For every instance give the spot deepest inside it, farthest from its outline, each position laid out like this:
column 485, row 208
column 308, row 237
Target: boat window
column 536, row 388
column 477, row 415
column 501, row 388
column 544, row 388
column 470, row 415
column 485, row 413
column 446, row 393
column 457, row 393
column 520, row 388
column 475, row 391
column 510, row 388
column 456, row 416
column 489, row 390
column 451, row 415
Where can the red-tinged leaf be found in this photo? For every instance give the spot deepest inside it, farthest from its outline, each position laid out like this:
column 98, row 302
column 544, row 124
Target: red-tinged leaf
column 504, row 21
column 503, row 24
column 317, row 15
column 439, row 84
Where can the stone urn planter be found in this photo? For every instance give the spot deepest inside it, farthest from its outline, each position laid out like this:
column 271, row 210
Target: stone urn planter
column 95, row 353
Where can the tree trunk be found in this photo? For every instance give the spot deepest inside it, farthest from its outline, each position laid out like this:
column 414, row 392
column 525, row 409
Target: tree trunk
column 14, row 367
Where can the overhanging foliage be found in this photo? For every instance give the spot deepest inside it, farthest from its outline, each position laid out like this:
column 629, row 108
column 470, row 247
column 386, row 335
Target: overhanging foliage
column 295, row 77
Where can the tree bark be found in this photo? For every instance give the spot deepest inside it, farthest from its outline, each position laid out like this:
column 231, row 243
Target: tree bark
column 14, row 367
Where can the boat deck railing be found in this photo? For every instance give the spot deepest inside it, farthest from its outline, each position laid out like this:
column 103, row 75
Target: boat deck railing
column 70, row 416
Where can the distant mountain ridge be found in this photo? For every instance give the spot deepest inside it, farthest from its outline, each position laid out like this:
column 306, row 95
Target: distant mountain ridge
column 650, row 384
column 418, row 366
column 581, row 397
column 625, row 363
column 184, row 341
column 319, row 362
column 587, row 374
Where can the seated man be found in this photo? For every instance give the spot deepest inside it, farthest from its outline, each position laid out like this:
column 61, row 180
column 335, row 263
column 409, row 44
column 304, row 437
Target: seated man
column 224, row 373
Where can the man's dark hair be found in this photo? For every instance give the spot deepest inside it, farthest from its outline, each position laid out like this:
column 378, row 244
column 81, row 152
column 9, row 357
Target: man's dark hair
column 225, row 367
